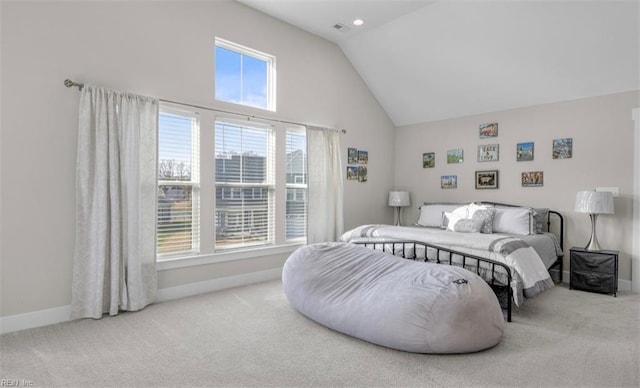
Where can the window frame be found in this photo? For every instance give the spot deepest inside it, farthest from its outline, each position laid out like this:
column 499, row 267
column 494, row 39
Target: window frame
column 193, row 183
column 206, row 254
column 270, row 61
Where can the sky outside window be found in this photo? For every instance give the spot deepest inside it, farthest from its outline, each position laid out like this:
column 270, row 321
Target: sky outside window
column 240, row 78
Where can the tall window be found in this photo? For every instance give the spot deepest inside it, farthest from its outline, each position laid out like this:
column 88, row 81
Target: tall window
column 245, row 166
column 178, row 223
column 244, row 76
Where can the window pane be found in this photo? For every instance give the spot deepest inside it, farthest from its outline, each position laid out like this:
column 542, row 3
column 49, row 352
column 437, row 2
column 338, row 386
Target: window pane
column 244, row 185
column 228, row 75
column 174, row 219
column 296, row 226
column 244, row 76
column 296, row 176
column 178, row 157
column 254, row 82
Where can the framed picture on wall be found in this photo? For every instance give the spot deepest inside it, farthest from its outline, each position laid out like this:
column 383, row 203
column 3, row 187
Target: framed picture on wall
column 362, row 174
column 429, row 160
column 487, row 179
column 488, row 152
column 488, row 130
column 363, row 157
column 524, row 152
column 449, row 182
column 533, row 179
column 352, row 155
column 455, row 156
column 562, row 148
column 352, row 173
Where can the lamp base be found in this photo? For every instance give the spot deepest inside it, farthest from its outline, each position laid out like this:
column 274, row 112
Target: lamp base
column 593, row 244
column 398, row 215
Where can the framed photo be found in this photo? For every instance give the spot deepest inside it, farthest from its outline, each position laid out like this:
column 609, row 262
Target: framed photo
column 352, row 157
column 488, row 130
column 455, row 156
column 563, row 148
column 449, row 182
column 487, row 179
column 362, row 174
column 533, row 179
column 352, row 173
column 363, row 157
column 429, row 160
column 488, row 152
column 524, row 152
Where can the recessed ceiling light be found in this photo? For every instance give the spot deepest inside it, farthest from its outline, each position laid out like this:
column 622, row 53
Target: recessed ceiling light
column 358, row 22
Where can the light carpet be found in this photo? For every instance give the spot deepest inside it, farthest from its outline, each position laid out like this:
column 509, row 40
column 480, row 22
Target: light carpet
column 250, row 336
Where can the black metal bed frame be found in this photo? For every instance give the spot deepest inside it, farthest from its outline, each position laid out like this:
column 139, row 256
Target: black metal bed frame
column 503, row 291
column 409, row 250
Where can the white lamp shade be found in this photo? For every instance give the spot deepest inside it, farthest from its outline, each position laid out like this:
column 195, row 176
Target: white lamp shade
column 399, row 198
column 594, row 202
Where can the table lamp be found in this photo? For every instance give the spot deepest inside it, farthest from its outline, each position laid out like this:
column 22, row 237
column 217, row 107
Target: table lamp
column 594, row 203
column 399, row 199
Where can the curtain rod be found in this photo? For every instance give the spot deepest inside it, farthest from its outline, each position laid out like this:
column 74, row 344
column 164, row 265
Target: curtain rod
column 71, row 84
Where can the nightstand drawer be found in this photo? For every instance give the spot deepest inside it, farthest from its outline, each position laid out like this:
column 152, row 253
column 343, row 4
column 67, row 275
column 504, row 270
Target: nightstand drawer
column 593, row 262
column 595, row 282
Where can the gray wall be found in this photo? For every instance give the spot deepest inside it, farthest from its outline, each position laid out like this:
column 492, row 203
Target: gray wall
column 161, row 49
column 603, row 156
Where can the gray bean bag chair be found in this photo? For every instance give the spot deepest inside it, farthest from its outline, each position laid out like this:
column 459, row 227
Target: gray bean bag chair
column 394, row 302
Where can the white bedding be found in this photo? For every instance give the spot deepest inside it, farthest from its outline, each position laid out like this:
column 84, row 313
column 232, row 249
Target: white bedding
column 530, row 275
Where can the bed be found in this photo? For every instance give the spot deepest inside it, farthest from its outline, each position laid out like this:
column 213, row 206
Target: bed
column 526, row 241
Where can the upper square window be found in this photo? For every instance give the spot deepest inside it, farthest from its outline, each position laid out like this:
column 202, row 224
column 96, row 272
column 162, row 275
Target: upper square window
column 244, row 76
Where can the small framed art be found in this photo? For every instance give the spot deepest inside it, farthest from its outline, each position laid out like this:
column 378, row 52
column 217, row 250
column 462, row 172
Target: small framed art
column 533, row 179
column 488, row 152
column 449, row 182
column 363, row 157
column 455, row 156
column 524, row 152
column 362, row 174
column 429, row 160
column 352, row 155
column 352, row 173
column 488, row 130
column 487, row 179
column 563, row 148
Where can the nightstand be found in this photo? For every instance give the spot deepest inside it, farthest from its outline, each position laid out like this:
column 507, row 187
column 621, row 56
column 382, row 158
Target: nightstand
column 594, row 271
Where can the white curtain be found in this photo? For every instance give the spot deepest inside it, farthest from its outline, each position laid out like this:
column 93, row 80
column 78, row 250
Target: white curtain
column 114, row 261
column 324, row 168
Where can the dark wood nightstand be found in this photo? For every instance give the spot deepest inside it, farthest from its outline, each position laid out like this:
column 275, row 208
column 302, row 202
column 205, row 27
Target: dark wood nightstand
column 594, row 271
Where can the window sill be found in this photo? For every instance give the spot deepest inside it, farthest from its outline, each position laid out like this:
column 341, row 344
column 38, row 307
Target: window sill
column 212, row 258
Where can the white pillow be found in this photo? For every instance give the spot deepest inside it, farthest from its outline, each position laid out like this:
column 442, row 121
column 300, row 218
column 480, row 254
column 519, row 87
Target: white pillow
column 460, row 212
column 457, row 223
column 515, row 220
column 431, row 214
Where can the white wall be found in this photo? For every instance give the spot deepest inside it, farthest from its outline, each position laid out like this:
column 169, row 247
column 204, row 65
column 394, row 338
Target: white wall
column 603, row 155
column 161, row 49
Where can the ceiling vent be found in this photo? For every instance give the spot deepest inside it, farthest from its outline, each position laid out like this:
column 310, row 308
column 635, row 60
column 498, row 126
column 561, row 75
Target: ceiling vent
column 340, row 27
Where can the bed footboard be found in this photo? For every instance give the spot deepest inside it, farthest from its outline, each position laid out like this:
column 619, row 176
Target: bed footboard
column 491, row 271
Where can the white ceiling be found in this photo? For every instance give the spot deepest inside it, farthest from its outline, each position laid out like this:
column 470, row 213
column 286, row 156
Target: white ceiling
column 433, row 60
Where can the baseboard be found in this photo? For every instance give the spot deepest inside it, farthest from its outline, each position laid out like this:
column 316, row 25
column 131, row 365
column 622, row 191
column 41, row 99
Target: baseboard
column 198, row 288
column 51, row 316
column 33, row 319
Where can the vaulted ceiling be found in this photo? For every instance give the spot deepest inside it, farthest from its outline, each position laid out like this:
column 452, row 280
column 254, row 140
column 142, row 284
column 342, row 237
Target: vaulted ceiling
column 433, row 60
